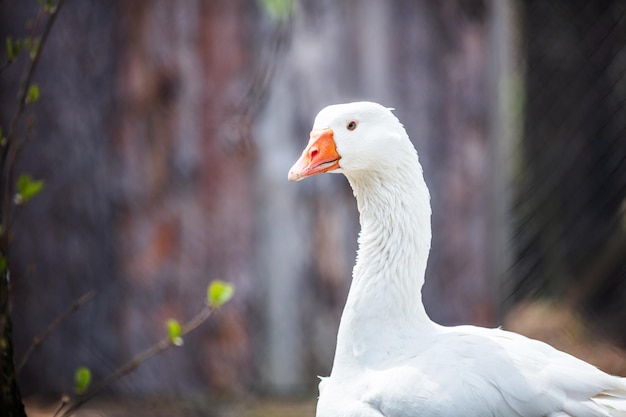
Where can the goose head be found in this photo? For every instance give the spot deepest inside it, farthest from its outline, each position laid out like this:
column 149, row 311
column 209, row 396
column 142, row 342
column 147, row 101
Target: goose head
column 354, row 139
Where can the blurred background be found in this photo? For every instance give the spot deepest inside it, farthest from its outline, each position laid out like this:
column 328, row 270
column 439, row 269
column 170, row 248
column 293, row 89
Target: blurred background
column 164, row 133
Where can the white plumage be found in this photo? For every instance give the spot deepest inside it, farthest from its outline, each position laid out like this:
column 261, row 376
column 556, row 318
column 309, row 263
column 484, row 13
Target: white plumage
column 391, row 360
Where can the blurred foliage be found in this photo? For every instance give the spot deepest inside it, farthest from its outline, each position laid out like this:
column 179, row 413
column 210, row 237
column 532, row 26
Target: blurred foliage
column 33, row 93
column 49, row 6
column 13, row 48
column 277, row 9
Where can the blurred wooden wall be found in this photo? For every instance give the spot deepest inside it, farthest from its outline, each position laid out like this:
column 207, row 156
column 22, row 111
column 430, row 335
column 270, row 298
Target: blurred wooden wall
column 428, row 60
column 165, row 132
column 184, row 216
column 141, row 139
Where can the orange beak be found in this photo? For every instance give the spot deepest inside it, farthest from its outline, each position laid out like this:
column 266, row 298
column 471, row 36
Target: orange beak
column 319, row 156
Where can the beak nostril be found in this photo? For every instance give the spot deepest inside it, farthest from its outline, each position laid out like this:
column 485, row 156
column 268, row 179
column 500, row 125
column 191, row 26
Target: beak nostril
column 320, row 155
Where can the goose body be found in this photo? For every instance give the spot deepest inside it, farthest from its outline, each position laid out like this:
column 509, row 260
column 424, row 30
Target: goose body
column 391, row 360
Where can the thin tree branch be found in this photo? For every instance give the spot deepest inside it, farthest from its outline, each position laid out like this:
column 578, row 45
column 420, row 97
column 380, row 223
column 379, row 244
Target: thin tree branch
column 37, row 341
column 11, row 396
column 33, row 66
column 137, row 360
column 12, row 157
column 6, row 65
column 8, row 148
column 65, row 400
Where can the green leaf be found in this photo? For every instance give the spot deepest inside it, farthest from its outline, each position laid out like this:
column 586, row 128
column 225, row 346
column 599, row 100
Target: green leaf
column 27, row 188
column 13, row 48
column 220, row 292
column 3, row 264
column 175, row 332
column 277, row 9
column 33, row 93
column 82, row 379
column 9, row 46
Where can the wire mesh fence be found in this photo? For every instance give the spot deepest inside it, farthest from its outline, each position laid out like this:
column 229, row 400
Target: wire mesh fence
column 569, row 210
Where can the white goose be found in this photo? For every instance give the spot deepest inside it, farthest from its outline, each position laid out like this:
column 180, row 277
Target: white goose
column 391, row 359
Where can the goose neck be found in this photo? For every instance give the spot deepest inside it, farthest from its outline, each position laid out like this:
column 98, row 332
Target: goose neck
column 384, row 305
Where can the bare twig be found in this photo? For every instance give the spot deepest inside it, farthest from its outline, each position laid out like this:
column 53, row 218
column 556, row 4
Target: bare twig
column 6, row 65
column 137, row 360
column 37, row 341
column 65, row 400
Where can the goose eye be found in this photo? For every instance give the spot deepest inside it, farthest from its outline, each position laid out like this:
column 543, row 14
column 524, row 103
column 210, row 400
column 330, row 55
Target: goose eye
column 351, row 125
